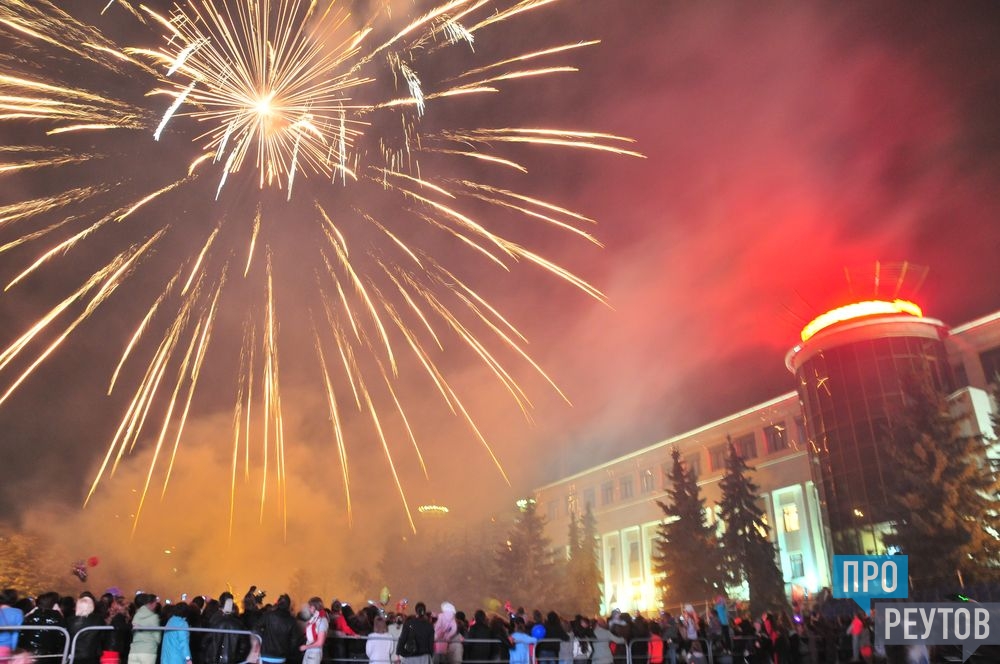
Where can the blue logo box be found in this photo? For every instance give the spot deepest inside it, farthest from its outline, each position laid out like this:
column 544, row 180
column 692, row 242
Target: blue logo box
column 864, row 578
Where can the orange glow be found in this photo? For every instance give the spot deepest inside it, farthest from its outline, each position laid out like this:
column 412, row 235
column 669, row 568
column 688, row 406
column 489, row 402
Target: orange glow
column 859, row 310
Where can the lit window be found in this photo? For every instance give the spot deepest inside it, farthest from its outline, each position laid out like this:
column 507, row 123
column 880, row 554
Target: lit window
column 777, row 438
column 790, row 517
column 717, row 457
column 571, row 504
column 646, row 480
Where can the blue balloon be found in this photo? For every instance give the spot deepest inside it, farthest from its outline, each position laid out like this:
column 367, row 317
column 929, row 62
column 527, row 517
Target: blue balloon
column 538, row 631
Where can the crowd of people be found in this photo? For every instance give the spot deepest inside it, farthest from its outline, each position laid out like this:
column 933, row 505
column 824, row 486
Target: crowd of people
column 282, row 633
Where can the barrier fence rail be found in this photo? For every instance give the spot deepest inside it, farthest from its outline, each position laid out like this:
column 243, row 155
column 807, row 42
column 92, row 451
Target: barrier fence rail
column 741, row 650
column 69, row 643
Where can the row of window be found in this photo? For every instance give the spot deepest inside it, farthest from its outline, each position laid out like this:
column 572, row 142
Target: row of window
column 776, row 439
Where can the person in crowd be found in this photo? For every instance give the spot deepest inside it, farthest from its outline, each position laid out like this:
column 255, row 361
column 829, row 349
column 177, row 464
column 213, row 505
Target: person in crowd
column 446, row 631
column 395, row 627
column 763, row 648
column 520, row 638
column 361, row 622
column 547, row 650
column 194, row 608
column 479, row 649
column 115, row 642
column 317, row 627
column 416, row 639
column 10, row 616
column 145, row 642
column 228, row 647
column 501, row 638
column 380, row 647
column 603, row 638
column 339, row 629
column 43, row 642
column 279, row 633
column 639, row 640
column 722, row 613
column 855, row 630
column 88, row 643
column 671, row 638
column 690, row 622
column 655, row 642
column 583, row 640
column 177, row 637
column 252, row 609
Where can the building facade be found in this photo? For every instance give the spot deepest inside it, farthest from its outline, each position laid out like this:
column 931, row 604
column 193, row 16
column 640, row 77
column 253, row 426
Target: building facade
column 814, row 450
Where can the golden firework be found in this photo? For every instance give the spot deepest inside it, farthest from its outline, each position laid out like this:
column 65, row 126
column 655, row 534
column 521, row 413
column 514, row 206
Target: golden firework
column 334, row 112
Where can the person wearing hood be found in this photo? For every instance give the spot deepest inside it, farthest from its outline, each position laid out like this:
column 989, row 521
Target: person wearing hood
column 145, row 642
column 447, row 642
column 177, row 638
column 88, row 644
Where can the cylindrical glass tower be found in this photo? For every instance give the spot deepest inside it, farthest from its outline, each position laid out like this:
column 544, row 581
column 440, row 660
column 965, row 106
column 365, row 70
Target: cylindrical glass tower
column 850, row 369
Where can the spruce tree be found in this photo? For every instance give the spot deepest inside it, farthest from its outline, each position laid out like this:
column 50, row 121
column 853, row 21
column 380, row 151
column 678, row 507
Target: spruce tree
column 591, row 583
column 942, row 493
column 525, row 572
column 748, row 553
column 571, row 585
column 687, row 553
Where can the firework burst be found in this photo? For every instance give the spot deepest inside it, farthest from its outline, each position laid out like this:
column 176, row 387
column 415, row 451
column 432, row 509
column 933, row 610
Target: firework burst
column 262, row 117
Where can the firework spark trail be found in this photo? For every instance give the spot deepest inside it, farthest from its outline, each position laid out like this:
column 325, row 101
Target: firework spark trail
column 284, row 94
column 337, row 427
column 111, row 275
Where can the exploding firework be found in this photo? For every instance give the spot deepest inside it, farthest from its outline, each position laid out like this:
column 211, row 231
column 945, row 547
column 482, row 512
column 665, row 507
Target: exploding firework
column 268, row 141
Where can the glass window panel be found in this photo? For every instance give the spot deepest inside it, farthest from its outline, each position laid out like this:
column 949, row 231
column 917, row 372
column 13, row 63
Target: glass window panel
column 717, row 457
column 607, row 493
column 746, row 446
column 776, row 437
column 646, row 480
column 625, row 487
column 692, row 463
column 790, row 517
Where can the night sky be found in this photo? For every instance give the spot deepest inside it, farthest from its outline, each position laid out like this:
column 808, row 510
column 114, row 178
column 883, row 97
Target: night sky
column 783, row 142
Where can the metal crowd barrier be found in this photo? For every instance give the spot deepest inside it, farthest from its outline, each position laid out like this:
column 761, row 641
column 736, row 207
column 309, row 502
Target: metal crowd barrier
column 42, row 628
column 741, row 651
column 69, row 644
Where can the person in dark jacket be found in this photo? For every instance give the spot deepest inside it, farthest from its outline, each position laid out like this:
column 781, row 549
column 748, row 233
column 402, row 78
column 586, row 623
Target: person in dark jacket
column 119, row 637
column 547, row 650
column 416, row 640
column 219, row 648
column 279, row 632
column 43, row 642
column 479, row 646
column 88, row 643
